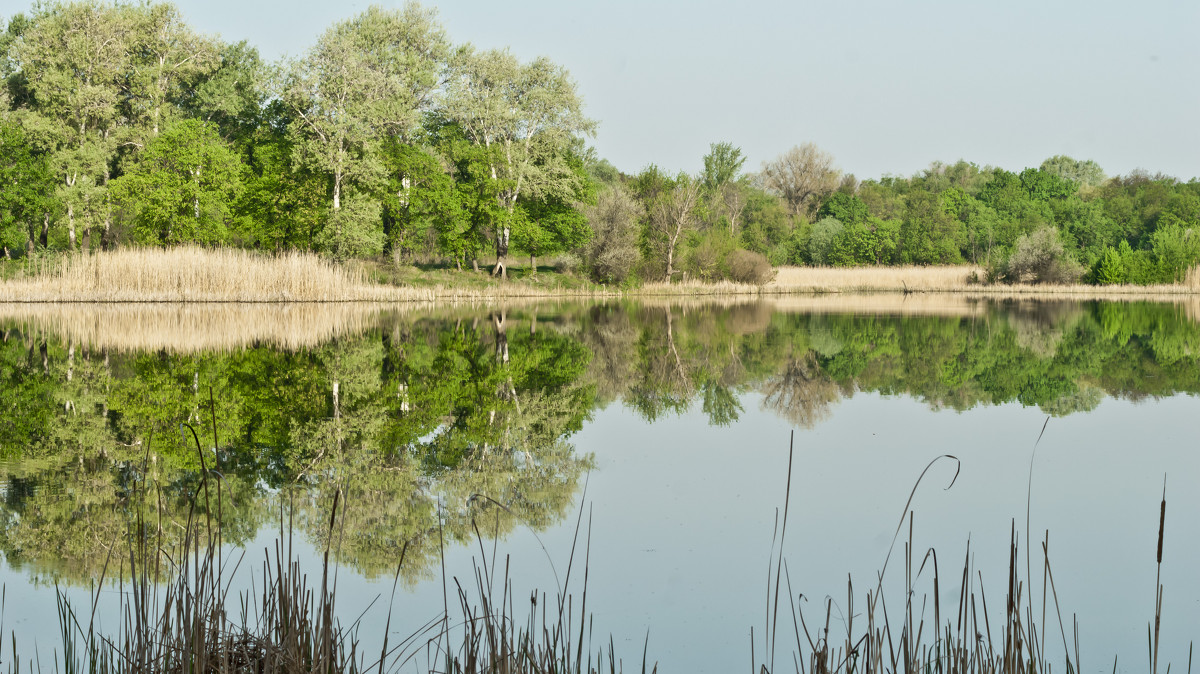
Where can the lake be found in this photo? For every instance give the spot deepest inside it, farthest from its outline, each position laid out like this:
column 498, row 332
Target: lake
column 653, row 438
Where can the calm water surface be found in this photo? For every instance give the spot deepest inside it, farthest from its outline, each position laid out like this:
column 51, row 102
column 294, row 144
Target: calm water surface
column 666, row 426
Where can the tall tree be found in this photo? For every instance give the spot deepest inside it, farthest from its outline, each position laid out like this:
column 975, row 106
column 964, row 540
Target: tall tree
column 366, row 79
column 73, row 60
column 168, row 59
column 527, row 117
column 25, row 188
column 803, row 176
column 182, row 189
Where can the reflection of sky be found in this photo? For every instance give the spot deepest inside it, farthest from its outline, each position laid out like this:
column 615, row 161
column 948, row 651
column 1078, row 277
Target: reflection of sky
column 683, row 516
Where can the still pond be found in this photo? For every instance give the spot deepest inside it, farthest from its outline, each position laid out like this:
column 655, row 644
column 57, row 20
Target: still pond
column 654, row 436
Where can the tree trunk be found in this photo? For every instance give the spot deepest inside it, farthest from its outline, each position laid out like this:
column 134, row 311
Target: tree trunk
column 71, row 226
column 501, row 267
column 532, row 263
column 45, row 231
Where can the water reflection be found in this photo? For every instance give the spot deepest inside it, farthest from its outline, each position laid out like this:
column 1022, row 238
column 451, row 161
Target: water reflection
column 432, row 422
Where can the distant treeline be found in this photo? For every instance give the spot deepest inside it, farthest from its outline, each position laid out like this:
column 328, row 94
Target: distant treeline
column 120, row 124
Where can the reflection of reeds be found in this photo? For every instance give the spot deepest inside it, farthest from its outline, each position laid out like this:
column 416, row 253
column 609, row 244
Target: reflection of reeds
column 186, row 328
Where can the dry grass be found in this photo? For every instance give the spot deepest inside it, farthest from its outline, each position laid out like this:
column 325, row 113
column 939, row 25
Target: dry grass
column 190, row 274
column 193, row 274
column 836, row 279
column 953, row 279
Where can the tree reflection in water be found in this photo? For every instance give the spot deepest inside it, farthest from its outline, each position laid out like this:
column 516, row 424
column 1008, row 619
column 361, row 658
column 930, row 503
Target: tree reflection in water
column 458, row 416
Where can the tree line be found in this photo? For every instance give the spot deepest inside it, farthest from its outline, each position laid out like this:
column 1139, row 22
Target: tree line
column 121, row 124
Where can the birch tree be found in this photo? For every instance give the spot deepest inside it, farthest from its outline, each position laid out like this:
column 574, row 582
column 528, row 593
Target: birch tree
column 72, row 59
column 525, row 116
column 366, row 79
column 169, row 60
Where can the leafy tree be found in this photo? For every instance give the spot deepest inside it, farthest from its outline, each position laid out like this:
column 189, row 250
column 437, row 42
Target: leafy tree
column 73, row 61
column 825, row 234
column 234, row 95
column 930, row 235
column 281, row 205
column 421, row 199
column 182, row 189
column 527, row 117
column 846, row 208
column 1085, row 173
column 612, row 253
column 366, row 79
column 721, row 165
column 803, row 177
column 168, row 59
column 27, row 185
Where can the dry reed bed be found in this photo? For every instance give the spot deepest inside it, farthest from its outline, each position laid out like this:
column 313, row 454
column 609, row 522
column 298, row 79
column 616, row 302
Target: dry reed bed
column 193, row 274
column 954, row 279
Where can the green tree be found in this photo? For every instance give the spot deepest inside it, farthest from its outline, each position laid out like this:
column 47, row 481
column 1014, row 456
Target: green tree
column 420, row 201
column 1086, row 173
column 367, row 78
column 527, row 117
column 182, row 188
column 25, row 200
column 73, row 61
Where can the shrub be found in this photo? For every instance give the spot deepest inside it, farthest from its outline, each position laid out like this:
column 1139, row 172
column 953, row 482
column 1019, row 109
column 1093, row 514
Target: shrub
column 567, row 263
column 612, row 253
column 821, row 242
column 746, row 266
column 1041, row 258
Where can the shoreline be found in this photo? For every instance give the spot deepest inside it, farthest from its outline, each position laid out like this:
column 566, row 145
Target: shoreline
column 191, row 275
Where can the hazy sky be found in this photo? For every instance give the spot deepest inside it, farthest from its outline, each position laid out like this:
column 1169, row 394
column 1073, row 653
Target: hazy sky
column 885, row 86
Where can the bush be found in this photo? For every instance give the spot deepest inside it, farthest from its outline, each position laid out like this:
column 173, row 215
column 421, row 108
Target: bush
column 1041, row 258
column 746, row 266
column 566, row 263
column 612, row 253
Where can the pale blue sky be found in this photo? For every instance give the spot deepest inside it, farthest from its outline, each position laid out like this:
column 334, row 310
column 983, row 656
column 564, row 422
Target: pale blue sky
column 886, row 87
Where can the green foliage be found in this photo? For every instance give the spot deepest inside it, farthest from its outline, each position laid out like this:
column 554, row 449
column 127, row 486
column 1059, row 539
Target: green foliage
column 1041, row 258
column 420, row 202
column 612, row 254
column 846, row 208
column 928, row 234
column 354, row 229
column 721, row 165
column 27, row 185
column 1110, row 269
column 821, row 242
column 1085, row 173
column 181, row 190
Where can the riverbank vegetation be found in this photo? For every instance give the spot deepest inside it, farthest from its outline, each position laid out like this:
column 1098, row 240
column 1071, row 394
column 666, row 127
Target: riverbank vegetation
column 388, row 144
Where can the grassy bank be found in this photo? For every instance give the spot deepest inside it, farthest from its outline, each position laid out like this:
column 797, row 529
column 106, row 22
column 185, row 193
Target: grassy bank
column 191, row 274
